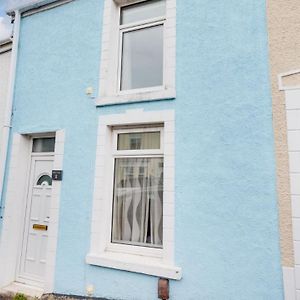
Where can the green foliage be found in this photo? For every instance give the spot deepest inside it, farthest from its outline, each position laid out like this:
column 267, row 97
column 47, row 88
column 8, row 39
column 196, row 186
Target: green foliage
column 20, row 297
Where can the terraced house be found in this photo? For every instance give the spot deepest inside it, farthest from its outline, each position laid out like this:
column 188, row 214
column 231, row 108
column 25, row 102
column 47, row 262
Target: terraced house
column 145, row 150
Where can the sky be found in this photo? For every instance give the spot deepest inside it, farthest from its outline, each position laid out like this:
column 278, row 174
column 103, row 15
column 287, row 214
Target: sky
column 5, row 26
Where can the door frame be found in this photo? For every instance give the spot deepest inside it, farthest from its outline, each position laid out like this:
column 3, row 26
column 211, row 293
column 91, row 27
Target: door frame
column 15, row 207
column 22, row 278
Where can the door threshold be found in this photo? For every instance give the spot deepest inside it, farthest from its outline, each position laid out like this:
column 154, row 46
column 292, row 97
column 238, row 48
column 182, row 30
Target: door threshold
column 27, row 290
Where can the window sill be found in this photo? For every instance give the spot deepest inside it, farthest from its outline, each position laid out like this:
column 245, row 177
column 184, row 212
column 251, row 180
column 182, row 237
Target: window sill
column 133, row 97
column 134, row 263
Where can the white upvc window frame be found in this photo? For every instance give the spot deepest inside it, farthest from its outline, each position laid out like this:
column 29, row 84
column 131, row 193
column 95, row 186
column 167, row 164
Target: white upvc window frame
column 130, row 27
column 111, row 59
column 127, row 248
column 140, row 259
column 137, row 153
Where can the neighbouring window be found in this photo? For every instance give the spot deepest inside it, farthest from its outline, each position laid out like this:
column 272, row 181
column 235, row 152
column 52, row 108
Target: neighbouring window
column 138, row 188
column 142, row 55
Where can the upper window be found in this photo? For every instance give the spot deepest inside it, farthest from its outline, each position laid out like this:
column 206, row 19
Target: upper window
column 141, row 38
column 138, row 51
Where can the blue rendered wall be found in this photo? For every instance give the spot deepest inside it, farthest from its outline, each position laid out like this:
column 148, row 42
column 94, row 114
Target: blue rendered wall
column 227, row 239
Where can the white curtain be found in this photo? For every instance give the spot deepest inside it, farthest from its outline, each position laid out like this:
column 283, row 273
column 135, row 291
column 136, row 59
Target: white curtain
column 137, row 205
column 139, row 140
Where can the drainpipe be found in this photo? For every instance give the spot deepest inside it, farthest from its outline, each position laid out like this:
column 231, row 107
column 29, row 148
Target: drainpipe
column 9, row 105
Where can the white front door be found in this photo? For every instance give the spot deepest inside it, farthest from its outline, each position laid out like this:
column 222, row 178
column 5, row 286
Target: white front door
column 34, row 247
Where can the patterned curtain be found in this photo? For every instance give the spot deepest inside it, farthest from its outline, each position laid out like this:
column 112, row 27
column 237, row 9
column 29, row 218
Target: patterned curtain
column 138, row 201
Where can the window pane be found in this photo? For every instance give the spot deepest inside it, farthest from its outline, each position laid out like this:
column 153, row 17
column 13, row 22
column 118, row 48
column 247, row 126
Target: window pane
column 43, row 145
column 142, row 58
column 143, row 11
column 138, row 201
column 139, row 140
column 44, row 179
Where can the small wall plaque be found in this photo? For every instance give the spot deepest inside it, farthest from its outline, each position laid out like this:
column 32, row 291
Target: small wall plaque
column 57, row 175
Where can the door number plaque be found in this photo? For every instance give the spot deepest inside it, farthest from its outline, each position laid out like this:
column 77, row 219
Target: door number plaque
column 57, row 175
column 40, row 227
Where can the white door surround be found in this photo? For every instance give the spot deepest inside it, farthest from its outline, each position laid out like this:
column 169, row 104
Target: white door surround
column 15, row 209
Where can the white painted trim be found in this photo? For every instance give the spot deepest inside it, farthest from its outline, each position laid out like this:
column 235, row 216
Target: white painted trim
column 285, row 74
column 289, row 283
column 54, row 213
column 35, row 6
column 110, row 59
column 140, row 260
column 291, row 276
column 126, row 2
column 9, row 104
column 136, row 264
column 14, row 213
column 138, row 97
column 44, row 7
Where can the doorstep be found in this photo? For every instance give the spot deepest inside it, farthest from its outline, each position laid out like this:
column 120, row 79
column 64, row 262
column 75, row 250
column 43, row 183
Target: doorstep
column 24, row 289
column 69, row 297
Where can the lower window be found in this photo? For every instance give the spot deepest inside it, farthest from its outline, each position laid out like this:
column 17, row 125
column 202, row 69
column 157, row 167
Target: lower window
column 138, row 201
column 133, row 213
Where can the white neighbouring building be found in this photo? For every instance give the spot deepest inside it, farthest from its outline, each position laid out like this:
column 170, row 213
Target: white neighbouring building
column 5, row 62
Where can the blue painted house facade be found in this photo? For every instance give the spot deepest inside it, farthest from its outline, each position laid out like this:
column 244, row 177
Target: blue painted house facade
column 158, row 114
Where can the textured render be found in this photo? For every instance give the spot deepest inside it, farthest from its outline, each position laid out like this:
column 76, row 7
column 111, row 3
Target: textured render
column 284, row 48
column 292, row 80
column 226, row 211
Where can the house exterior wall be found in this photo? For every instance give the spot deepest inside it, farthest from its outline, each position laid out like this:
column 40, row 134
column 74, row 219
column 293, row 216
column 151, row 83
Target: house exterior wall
column 226, row 223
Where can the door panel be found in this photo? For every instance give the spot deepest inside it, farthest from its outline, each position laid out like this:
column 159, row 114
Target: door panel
column 33, row 257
